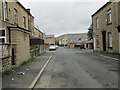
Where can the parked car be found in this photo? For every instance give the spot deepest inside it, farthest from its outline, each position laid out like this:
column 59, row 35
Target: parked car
column 56, row 46
column 52, row 47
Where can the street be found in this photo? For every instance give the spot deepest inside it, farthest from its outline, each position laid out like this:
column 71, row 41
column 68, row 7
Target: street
column 70, row 68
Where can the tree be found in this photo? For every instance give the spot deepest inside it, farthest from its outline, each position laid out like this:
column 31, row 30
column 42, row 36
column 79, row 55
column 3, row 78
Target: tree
column 56, row 42
column 90, row 32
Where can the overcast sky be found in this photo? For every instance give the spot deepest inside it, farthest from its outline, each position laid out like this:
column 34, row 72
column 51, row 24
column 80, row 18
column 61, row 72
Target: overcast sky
column 63, row 16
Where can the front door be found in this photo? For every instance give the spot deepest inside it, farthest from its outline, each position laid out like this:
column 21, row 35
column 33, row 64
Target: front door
column 13, row 56
column 104, row 40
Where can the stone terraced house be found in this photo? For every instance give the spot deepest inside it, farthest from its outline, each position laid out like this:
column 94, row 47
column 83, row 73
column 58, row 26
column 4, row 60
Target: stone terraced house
column 37, row 42
column 50, row 39
column 16, row 25
column 106, row 28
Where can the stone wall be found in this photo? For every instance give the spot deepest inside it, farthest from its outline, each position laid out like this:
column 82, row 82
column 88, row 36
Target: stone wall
column 5, row 58
column 37, row 50
column 21, row 39
column 50, row 40
column 104, row 26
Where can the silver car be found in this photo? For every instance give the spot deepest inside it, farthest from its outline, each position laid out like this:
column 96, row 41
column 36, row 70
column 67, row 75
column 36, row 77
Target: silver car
column 52, row 47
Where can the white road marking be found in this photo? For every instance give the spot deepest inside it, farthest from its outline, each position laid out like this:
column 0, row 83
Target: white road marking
column 110, row 57
column 40, row 73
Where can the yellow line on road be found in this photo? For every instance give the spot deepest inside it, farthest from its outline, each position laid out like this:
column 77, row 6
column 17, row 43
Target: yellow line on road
column 40, row 73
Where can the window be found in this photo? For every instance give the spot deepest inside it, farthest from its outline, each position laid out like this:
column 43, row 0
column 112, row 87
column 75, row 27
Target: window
column 15, row 16
column 109, row 17
column 97, row 23
column 110, row 40
column 97, row 41
column 0, row 14
column 24, row 21
column 2, row 36
column 5, row 11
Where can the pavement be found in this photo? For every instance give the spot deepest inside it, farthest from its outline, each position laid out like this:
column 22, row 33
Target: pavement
column 114, row 56
column 102, row 54
column 23, row 81
column 68, row 68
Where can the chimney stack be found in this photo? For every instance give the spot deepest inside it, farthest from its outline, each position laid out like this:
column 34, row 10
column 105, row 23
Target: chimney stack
column 28, row 10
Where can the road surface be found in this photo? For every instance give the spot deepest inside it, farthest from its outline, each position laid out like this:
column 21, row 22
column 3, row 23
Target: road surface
column 70, row 68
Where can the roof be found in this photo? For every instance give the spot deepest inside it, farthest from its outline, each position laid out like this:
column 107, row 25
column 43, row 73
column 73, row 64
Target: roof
column 23, row 7
column 48, row 36
column 110, row 1
column 38, row 30
column 17, row 27
column 101, row 8
column 73, row 36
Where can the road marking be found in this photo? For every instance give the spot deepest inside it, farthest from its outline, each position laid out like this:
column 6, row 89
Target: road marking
column 110, row 57
column 40, row 73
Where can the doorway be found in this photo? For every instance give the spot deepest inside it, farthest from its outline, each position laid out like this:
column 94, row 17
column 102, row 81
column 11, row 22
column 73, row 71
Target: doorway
column 119, row 42
column 104, row 40
column 13, row 56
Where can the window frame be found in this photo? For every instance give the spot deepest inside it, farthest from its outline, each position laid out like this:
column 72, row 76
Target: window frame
column 0, row 13
column 24, row 21
column 110, row 40
column 97, row 22
column 4, row 37
column 109, row 17
column 97, row 41
column 15, row 16
column 5, row 10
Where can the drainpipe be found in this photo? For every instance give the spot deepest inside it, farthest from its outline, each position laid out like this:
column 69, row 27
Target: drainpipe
column 9, row 31
column 119, row 42
column 119, row 37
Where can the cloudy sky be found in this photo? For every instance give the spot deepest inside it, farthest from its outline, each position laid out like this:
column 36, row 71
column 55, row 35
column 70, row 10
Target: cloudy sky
column 63, row 16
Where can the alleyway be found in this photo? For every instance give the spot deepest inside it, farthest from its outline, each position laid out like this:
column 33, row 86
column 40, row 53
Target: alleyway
column 69, row 68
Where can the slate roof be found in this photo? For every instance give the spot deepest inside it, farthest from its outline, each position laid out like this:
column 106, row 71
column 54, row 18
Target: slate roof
column 73, row 36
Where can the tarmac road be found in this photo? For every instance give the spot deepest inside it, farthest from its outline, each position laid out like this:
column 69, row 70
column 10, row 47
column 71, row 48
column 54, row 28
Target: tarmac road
column 70, row 68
